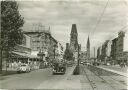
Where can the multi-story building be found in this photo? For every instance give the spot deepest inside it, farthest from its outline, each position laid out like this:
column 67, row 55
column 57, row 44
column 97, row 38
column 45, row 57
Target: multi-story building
column 104, row 52
column 83, row 56
column 126, row 41
column 98, row 54
column 120, row 46
column 22, row 51
column 125, row 57
column 43, row 45
column 108, row 51
column 117, row 48
column 114, row 49
column 125, row 50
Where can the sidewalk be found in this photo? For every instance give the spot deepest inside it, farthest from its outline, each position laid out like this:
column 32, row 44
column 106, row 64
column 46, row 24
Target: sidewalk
column 70, row 70
column 116, row 69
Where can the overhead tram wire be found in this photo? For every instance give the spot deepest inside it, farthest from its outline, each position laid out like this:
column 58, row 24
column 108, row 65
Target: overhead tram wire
column 100, row 17
column 120, row 30
column 125, row 2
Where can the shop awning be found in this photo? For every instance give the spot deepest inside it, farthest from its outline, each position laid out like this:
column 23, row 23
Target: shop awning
column 18, row 55
column 22, row 55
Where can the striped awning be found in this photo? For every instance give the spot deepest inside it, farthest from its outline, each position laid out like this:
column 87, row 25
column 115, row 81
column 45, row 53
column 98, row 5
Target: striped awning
column 18, row 55
column 22, row 55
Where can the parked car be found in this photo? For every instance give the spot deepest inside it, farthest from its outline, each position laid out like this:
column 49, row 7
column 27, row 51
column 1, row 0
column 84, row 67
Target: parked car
column 23, row 68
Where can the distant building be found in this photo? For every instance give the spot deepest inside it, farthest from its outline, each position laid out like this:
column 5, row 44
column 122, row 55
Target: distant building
column 120, row 46
column 104, row 51
column 125, row 57
column 125, row 50
column 126, row 41
column 114, row 50
column 83, row 56
column 108, row 52
column 98, row 54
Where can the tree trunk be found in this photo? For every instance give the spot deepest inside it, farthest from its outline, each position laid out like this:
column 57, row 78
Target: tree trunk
column 0, row 47
column 1, row 60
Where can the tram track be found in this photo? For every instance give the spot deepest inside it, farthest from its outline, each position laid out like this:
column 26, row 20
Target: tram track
column 110, row 76
column 94, row 87
column 90, row 81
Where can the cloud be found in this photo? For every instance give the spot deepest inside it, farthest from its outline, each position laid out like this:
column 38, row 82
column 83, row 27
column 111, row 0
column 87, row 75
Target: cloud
column 60, row 15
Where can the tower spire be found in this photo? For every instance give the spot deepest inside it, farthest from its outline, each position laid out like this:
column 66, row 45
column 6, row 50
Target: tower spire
column 88, row 48
column 74, row 29
column 88, row 42
column 73, row 38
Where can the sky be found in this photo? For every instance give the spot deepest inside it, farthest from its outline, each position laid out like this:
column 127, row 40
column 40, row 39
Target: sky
column 61, row 14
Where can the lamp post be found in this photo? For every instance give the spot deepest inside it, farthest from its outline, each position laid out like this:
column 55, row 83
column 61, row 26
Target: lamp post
column 41, row 55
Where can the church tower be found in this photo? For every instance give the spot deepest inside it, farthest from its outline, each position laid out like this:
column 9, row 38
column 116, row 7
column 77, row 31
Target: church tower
column 88, row 48
column 74, row 38
column 74, row 42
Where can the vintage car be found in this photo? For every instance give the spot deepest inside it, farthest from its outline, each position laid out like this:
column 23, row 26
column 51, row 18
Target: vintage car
column 59, row 68
column 23, row 68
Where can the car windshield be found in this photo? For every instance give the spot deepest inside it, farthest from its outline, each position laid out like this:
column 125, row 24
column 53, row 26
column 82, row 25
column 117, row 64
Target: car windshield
column 23, row 65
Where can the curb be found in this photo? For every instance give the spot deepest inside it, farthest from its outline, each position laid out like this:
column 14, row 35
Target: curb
column 117, row 72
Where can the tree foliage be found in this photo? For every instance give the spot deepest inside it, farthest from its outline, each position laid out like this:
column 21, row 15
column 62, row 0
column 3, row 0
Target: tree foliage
column 68, row 55
column 11, row 23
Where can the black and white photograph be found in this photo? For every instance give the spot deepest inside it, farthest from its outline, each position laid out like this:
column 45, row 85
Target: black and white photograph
column 64, row 44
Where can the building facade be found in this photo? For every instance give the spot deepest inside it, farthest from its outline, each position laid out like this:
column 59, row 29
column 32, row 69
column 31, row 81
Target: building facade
column 22, row 51
column 43, row 45
column 120, row 46
column 114, row 49
column 99, row 53
column 104, row 56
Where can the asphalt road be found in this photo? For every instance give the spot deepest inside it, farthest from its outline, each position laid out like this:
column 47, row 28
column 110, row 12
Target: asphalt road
column 25, row 80
column 43, row 79
column 40, row 79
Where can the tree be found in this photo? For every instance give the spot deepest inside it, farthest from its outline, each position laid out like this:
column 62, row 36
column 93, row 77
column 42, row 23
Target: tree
column 11, row 23
column 68, row 55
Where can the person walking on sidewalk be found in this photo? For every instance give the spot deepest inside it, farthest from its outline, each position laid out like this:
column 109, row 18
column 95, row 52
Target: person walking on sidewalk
column 122, row 65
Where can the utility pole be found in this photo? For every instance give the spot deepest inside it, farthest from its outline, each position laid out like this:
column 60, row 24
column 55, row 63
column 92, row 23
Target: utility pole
column 0, row 48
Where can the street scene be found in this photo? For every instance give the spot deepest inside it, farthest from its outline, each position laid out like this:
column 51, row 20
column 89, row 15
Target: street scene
column 64, row 45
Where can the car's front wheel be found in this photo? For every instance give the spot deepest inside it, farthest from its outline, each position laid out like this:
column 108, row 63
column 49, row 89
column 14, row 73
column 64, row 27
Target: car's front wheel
column 18, row 72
